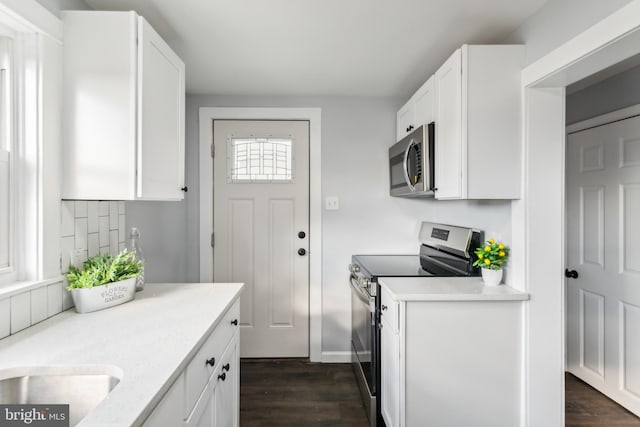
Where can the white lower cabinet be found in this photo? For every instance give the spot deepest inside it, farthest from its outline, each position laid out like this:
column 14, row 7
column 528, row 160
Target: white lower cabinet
column 450, row 363
column 207, row 392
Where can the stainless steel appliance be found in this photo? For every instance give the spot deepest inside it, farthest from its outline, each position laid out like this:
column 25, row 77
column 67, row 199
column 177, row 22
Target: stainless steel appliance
column 411, row 164
column 446, row 250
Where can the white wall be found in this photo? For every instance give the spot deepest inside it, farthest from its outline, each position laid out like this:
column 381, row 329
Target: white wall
column 356, row 133
column 559, row 21
column 55, row 6
column 614, row 93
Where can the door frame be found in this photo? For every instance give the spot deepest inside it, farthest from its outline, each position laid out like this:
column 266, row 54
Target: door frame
column 313, row 115
column 538, row 248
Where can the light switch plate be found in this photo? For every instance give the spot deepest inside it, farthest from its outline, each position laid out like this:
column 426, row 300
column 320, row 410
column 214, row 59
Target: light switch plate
column 332, row 203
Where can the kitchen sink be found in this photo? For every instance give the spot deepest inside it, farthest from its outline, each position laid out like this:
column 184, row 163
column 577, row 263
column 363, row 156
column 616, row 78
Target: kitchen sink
column 81, row 387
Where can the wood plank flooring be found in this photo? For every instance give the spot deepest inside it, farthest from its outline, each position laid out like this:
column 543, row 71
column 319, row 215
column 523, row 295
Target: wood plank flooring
column 298, row 393
column 586, row 407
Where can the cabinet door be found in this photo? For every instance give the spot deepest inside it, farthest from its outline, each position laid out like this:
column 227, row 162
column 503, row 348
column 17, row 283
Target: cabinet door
column 390, row 379
column 169, row 412
column 161, row 100
column 405, row 120
column 450, row 152
column 424, row 103
column 227, row 390
column 202, row 415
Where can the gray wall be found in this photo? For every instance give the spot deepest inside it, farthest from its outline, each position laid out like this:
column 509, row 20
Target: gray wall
column 615, row 93
column 55, row 6
column 559, row 21
column 356, row 133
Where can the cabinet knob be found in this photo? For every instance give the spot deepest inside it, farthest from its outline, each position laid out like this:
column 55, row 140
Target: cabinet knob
column 301, row 235
column 226, row 367
column 234, row 322
column 383, row 308
column 211, row 361
column 302, row 252
column 410, row 128
column 222, row 376
column 185, row 189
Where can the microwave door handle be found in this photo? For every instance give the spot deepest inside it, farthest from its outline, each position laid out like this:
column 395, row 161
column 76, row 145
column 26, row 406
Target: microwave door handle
column 405, row 164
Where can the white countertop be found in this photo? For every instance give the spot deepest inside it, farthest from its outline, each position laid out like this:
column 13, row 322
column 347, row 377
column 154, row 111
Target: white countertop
column 449, row 289
column 149, row 340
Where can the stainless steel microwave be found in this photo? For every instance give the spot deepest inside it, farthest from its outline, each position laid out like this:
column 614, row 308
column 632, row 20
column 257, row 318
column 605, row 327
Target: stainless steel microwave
column 411, row 164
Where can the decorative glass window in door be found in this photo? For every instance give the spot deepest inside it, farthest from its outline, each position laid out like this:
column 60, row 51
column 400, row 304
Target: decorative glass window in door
column 261, row 160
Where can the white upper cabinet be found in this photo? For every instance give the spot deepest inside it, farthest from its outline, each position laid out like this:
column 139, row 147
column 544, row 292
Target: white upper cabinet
column 418, row 111
column 124, row 110
column 477, row 110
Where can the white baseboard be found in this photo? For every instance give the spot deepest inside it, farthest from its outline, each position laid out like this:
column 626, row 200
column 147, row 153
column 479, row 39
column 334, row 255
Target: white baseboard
column 336, row 357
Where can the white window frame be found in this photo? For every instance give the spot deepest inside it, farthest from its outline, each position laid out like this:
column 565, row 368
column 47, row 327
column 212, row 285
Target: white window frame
column 6, row 148
column 35, row 185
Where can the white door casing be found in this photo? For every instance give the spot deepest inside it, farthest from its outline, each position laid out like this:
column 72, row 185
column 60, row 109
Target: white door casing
column 261, row 228
column 603, row 303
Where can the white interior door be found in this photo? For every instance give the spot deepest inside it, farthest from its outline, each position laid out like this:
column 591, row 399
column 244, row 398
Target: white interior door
column 603, row 231
column 261, row 229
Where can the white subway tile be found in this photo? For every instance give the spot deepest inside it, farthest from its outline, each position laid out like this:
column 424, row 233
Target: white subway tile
column 103, row 208
column 104, row 230
column 121, row 208
column 67, row 244
column 39, row 303
column 5, row 317
column 93, row 241
column 122, row 232
column 113, row 242
column 81, row 233
column 67, row 215
column 113, row 215
column 81, row 208
column 92, row 217
column 54, row 299
column 20, row 312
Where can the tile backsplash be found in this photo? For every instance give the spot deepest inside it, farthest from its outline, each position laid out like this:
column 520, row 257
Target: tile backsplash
column 90, row 227
column 93, row 227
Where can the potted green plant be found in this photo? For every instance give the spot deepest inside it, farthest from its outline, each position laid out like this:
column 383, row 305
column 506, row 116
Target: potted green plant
column 491, row 258
column 104, row 281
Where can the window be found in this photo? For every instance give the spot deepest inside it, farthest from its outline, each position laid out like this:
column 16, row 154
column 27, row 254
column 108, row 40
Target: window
column 5, row 153
column 268, row 160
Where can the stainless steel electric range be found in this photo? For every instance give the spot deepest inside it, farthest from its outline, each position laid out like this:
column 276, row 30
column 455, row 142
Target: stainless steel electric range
column 446, row 251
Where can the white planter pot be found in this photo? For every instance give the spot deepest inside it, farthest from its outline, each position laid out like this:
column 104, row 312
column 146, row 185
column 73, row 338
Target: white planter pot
column 491, row 277
column 97, row 298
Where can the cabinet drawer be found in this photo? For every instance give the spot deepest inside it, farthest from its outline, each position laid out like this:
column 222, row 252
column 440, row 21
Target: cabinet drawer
column 390, row 310
column 199, row 370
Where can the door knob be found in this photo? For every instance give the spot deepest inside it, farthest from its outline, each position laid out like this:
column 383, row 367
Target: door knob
column 302, row 252
column 572, row 274
column 301, row 235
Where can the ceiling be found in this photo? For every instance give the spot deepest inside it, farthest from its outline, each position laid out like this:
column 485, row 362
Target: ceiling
column 321, row 47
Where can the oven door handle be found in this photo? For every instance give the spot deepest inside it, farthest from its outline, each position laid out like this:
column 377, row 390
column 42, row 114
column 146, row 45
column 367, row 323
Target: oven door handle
column 363, row 295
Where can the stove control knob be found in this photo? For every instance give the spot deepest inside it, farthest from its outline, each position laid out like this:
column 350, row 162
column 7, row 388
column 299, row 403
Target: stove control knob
column 353, row 268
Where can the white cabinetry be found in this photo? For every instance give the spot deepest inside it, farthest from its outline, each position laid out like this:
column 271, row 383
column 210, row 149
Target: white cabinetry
column 124, row 109
column 450, row 363
column 418, row 111
column 477, row 113
column 207, row 392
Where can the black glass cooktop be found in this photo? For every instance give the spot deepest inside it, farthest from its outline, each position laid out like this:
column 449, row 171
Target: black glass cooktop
column 390, row 265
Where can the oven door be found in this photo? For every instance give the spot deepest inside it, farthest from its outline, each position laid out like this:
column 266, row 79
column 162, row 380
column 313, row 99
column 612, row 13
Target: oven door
column 364, row 345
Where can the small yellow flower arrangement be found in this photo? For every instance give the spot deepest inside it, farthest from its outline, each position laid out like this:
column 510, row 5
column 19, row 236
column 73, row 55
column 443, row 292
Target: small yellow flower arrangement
column 492, row 255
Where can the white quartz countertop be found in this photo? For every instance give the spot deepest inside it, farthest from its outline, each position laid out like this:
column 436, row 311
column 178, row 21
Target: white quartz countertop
column 149, row 341
column 449, row 289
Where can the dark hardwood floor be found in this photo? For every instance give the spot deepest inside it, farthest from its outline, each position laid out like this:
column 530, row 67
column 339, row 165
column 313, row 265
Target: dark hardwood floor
column 586, row 407
column 297, row 393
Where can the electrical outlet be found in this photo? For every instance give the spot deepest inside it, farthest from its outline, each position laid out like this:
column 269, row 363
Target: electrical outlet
column 331, row 203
